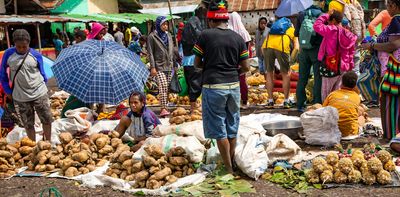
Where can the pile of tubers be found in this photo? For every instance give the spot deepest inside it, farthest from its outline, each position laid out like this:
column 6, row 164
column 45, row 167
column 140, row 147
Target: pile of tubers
column 258, row 96
column 152, row 100
column 57, row 103
column 256, row 80
column 354, row 169
column 7, row 160
column 154, row 170
column 181, row 115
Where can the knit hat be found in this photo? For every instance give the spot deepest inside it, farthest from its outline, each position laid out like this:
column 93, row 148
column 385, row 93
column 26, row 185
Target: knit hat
column 218, row 9
column 96, row 29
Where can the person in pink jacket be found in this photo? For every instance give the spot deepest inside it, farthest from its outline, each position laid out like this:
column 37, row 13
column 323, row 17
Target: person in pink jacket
column 329, row 27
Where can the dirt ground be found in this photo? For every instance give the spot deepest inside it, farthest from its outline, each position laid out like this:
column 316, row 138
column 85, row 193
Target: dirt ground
column 32, row 186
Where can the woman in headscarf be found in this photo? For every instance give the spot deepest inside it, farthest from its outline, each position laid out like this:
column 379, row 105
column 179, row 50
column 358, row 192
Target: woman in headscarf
column 135, row 34
column 388, row 47
column 160, row 54
column 190, row 34
column 98, row 31
column 235, row 24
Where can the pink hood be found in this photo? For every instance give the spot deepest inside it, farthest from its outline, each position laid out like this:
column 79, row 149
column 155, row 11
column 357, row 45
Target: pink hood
column 347, row 41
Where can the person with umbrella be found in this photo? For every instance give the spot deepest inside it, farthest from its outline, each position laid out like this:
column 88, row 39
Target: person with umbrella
column 160, row 54
column 139, row 123
column 28, row 87
column 222, row 54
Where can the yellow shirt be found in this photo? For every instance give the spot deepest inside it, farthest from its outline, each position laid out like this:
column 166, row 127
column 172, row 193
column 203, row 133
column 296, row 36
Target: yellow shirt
column 275, row 41
column 338, row 6
column 346, row 101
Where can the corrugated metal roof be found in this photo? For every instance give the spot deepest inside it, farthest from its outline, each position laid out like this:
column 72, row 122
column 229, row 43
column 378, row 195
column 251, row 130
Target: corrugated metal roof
column 35, row 19
column 174, row 10
column 252, row 5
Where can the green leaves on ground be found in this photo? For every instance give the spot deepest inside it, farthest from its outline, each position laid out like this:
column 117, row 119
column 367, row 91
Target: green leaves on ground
column 290, row 179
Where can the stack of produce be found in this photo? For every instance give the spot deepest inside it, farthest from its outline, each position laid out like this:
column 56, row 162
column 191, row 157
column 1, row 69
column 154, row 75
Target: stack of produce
column 173, row 98
column 7, row 161
column 43, row 158
column 353, row 169
column 57, row 103
column 181, row 115
column 256, row 80
column 278, row 97
column 258, row 96
column 154, row 170
column 183, row 100
column 25, row 149
column 152, row 100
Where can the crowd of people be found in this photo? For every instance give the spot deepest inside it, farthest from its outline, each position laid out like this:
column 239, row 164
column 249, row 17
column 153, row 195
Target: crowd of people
column 326, row 40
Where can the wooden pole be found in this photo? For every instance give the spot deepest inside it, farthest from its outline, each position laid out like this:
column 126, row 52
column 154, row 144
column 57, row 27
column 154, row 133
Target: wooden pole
column 172, row 22
column 15, row 7
column 7, row 37
column 39, row 37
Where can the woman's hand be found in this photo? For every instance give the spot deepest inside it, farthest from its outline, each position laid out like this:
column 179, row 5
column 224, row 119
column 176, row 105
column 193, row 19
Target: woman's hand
column 153, row 72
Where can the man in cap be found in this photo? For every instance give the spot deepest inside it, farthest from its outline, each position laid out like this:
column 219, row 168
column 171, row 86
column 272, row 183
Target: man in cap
column 222, row 54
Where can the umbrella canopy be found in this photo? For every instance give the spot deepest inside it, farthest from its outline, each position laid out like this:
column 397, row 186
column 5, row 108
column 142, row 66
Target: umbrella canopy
column 47, row 64
column 99, row 72
column 292, row 7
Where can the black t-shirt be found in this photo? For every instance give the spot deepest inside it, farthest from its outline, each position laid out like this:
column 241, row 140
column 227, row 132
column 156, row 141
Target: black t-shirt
column 222, row 50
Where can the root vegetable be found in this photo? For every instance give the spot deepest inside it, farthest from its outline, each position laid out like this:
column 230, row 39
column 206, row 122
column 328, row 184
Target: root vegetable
column 179, row 174
column 162, row 160
column 109, row 172
column 27, row 142
column 54, row 159
column 340, row 177
column 30, row 165
column 16, row 145
column 3, row 142
column 384, row 177
column 142, row 175
column 42, row 159
column 106, row 150
column 345, row 165
column 130, row 177
column 139, row 184
column 123, row 174
column 66, row 163
column 384, row 156
column 102, row 141
column 6, row 154
column 125, row 156
column 115, row 142
column 121, row 148
column 368, row 178
column 161, row 174
column 17, row 156
column 354, row 176
column 375, row 165
column 40, row 168
column 81, row 156
column 65, row 137
column 12, row 149
column 149, row 161
column 318, row 164
column 114, row 134
column 50, row 167
column 190, row 171
column 312, row 176
column 91, row 167
column 177, row 151
column 4, row 168
column 59, row 148
column 114, row 175
column 179, row 161
column 95, row 136
column 101, row 163
column 153, row 184
column 117, row 166
column 127, row 164
column 136, row 167
column 25, row 150
column 171, row 179
column 71, row 172
column 44, row 145
column 390, row 166
column 154, row 151
column 117, row 171
column 154, row 169
column 84, row 170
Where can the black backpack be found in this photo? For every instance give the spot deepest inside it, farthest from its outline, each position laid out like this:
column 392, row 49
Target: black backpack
column 190, row 35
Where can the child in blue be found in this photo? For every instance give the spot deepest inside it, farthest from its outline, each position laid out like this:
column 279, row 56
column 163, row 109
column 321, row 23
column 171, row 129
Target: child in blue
column 139, row 122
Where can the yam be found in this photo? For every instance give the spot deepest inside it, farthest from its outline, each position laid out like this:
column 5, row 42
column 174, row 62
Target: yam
column 161, row 174
column 109, row 172
column 102, row 141
column 171, row 179
column 117, row 171
column 162, row 160
column 12, row 149
column 81, row 156
column 149, row 161
column 136, row 167
column 3, row 142
column 40, row 168
column 91, row 167
column 17, row 156
column 121, row 148
column 5, row 154
column 66, row 163
column 106, row 150
column 95, row 156
column 179, row 161
column 142, row 175
column 30, row 165
column 178, row 174
column 59, row 148
column 130, row 177
column 25, row 141
column 11, row 161
column 154, row 151
column 127, row 164
column 41, row 159
column 54, row 159
column 84, row 170
column 71, row 172
column 16, row 145
column 153, row 184
column 50, row 167
column 177, row 151
column 4, row 168
column 125, row 156
column 44, row 145
column 154, row 169
column 95, row 136
column 190, row 171
column 114, row 134
column 117, row 166
column 123, row 174
column 101, row 163
column 115, row 142
column 65, row 137
column 139, row 184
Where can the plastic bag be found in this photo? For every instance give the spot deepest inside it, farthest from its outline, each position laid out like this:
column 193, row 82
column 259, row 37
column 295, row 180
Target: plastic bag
column 281, row 147
column 183, row 83
column 194, row 128
column 320, row 126
column 175, row 86
column 75, row 122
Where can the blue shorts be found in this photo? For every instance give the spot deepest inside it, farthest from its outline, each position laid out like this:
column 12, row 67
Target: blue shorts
column 261, row 66
column 221, row 112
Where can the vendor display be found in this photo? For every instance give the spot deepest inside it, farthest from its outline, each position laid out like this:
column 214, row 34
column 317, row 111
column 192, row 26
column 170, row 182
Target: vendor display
column 181, row 115
column 256, row 79
column 154, row 170
column 57, row 103
column 7, row 160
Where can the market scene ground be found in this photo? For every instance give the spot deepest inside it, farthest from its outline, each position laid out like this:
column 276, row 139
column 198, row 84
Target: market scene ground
column 200, row 98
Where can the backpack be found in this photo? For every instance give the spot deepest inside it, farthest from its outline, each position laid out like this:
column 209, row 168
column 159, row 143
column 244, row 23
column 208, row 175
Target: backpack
column 280, row 26
column 190, row 35
column 354, row 12
column 307, row 30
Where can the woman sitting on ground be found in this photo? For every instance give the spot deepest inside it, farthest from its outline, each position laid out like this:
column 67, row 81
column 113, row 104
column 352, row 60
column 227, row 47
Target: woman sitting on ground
column 140, row 121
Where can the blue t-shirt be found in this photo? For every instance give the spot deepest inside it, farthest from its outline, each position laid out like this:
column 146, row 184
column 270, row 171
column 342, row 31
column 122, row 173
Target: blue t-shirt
column 135, row 47
column 58, row 44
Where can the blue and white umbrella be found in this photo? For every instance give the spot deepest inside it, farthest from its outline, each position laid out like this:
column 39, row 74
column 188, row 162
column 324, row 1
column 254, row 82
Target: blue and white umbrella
column 100, row 72
column 292, row 7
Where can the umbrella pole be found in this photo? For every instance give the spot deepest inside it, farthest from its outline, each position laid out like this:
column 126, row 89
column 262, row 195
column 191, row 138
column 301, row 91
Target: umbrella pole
column 8, row 37
column 172, row 22
column 39, row 37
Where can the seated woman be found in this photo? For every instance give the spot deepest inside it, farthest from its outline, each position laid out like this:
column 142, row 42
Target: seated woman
column 139, row 122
